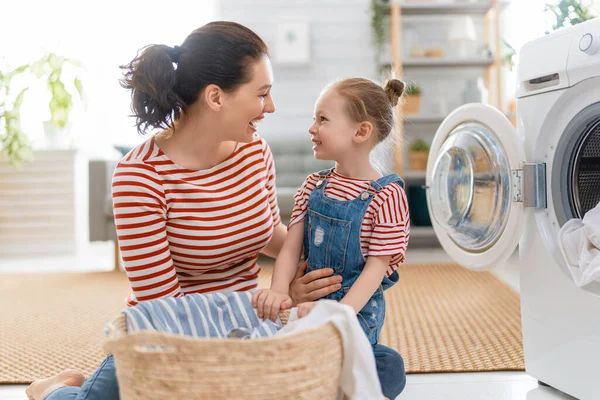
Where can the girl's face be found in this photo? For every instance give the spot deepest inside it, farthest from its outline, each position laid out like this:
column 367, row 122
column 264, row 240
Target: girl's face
column 332, row 130
column 247, row 106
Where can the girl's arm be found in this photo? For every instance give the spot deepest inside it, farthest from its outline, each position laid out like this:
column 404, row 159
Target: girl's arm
column 275, row 244
column 286, row 264
column 367, row 283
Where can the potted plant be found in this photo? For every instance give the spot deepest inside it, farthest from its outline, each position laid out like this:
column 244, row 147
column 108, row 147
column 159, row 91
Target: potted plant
column 14, row 144
column 569, row 13
column 50, row 68
column 412, row 102
column 379, row 9
column 417, row 155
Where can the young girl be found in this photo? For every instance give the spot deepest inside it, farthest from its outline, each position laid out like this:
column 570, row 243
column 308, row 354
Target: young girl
column 354, row 220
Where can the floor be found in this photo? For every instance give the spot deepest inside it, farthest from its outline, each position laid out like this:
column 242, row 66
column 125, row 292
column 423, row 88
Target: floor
column 448, row 386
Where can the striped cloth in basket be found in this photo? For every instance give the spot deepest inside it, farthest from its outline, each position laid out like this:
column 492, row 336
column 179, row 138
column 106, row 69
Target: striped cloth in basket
column 220, row 315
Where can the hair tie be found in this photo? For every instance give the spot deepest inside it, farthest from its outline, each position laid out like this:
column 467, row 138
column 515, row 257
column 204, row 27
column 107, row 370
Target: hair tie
column 175, row 53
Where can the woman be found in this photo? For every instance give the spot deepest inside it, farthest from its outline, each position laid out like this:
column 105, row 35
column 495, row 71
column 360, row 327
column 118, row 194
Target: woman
column 195, row 204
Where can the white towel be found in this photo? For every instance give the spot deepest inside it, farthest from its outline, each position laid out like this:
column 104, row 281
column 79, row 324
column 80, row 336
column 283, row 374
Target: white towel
column 579, row 242
column 359, row 380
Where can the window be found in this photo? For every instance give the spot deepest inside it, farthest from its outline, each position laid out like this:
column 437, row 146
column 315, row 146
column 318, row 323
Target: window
column 102, row 36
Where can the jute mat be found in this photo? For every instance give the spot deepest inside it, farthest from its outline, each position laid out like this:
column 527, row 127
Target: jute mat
column 441, row 318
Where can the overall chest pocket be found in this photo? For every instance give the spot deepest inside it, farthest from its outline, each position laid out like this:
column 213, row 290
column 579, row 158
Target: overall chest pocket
column 328, row 241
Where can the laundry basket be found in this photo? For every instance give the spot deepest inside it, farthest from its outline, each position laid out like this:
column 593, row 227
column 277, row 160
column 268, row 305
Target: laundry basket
column 159, row 365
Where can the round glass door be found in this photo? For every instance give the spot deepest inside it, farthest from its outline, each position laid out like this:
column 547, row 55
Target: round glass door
column 471, row 179
column 469, row 186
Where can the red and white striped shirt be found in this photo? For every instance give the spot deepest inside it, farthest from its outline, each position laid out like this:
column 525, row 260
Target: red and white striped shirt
column 386, row 226
column 183, row 231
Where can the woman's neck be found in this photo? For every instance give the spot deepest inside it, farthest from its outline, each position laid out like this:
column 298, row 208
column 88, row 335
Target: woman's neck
column 195, row 144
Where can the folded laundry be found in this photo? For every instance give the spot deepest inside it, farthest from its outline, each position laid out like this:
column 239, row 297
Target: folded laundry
column 219, row 315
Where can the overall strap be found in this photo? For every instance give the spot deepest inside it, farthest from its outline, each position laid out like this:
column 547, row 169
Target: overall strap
column 326, row 172
column 380, row 183
column 323, row 178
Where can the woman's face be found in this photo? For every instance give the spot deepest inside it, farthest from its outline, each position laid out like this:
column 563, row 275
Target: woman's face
column 247, row 106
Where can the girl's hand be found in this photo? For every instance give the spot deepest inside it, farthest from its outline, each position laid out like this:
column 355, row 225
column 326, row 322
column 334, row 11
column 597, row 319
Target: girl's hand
column 305, row 308
column 268, row 303
column 314, row 285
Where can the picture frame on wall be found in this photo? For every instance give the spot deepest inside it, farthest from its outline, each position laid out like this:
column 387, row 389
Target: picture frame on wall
column 292, row 44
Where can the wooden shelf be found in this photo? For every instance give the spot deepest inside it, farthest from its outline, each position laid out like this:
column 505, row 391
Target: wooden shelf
column 409, row 175
column 435, row 119
column 444, row 62
column 422, row 232
column 399, row 66
column 423, row 119
column 429, row 8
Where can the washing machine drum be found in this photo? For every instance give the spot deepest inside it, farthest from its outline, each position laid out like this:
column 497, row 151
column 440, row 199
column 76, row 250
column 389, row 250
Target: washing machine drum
column 577, row 166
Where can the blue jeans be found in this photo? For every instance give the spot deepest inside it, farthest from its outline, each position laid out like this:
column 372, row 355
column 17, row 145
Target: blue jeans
column 390, row 369
column 102, row 385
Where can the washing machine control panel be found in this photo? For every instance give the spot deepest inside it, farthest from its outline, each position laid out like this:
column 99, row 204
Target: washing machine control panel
column 589, row 43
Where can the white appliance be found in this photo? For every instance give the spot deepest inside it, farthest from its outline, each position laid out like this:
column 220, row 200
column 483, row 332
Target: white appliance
column 490, row 188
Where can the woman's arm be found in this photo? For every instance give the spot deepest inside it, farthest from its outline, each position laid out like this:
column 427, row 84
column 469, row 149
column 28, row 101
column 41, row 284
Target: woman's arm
column 314, row 285
column 286, row 264
column 139, row 210
column 367, row 283
column 274, row 247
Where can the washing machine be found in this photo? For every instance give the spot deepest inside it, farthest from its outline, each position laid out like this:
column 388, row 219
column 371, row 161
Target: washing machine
column 491, row 188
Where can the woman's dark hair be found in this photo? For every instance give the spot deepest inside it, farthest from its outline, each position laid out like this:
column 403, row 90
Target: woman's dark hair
column 220, row 53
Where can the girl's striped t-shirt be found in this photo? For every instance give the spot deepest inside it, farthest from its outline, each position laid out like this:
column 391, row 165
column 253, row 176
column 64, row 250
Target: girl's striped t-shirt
column 386, row 226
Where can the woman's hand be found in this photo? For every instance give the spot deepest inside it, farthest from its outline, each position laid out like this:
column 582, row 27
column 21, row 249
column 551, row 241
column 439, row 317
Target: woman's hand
column 305, row 308
column 268, row 303
column 314, row 285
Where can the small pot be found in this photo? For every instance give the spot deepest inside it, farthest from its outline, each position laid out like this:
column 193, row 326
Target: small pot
column 417, row 160
column 412, row 104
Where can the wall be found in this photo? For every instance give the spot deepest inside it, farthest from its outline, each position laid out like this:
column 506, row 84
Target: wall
column 340, row 46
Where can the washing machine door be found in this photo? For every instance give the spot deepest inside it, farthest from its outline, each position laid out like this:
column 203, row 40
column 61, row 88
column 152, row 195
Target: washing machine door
column 473, row 186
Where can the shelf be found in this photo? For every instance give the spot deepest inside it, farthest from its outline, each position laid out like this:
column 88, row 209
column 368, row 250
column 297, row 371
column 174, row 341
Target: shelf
column 435, row 119
column 422, row 232
column 409, row 175
column 423, row 119
column 444, row 62
column 464, row 7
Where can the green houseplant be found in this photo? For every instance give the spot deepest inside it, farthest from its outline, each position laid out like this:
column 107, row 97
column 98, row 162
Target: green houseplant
column 379, row 9
column 568, row 13
column 418, row 152
column 15, row 147
column 412, row 103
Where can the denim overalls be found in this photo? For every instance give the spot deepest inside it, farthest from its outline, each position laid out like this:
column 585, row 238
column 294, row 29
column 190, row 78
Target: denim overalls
column 332, row 240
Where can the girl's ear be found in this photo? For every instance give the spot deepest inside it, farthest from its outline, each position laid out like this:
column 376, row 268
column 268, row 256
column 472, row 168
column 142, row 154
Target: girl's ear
column 214, row 96
column 364, row 132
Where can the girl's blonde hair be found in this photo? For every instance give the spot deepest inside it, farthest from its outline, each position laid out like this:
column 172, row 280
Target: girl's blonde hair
column 367, row 101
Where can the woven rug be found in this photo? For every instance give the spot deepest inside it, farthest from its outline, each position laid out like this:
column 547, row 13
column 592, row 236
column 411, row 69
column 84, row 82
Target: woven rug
column 441, row 318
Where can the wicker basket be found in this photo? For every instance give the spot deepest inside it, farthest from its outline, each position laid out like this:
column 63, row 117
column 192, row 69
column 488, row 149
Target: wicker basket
column 302, row 366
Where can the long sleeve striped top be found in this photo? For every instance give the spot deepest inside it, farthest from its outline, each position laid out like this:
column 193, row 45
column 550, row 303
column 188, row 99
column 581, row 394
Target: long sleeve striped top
column 186, row 231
